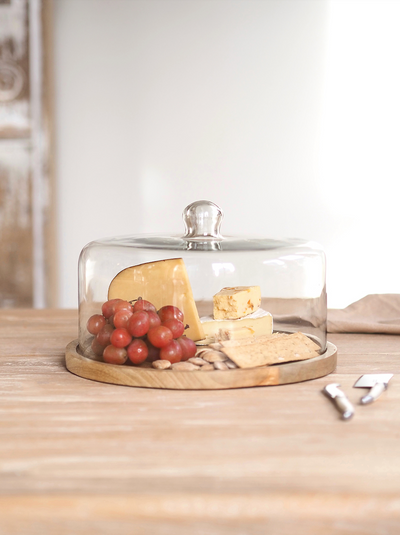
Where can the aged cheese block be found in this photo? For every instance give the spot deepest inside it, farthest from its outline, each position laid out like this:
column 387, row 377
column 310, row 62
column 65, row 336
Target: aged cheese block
column 236, row 302
column 164, row 282
column 256, row 324
column 273, row 349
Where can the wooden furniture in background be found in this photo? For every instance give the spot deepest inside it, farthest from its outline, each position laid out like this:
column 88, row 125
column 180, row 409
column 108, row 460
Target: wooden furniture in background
column 84, row 457
column 27, row 218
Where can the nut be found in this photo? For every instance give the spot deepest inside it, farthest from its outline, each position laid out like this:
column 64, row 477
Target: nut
column 161, row 364
column 231, row 365
column 214, row 356
column 202, row 350
column 207, row 368
column 197, row 361
column 220, row 366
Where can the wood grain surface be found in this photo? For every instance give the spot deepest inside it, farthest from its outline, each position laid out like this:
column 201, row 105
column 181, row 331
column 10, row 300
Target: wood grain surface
column 83, row 457
column 290, row 372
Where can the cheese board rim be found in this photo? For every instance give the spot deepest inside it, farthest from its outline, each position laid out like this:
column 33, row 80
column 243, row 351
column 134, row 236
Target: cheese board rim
column 273, row 375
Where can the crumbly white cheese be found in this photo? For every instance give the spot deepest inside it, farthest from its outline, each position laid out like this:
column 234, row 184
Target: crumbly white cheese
column 237, row 302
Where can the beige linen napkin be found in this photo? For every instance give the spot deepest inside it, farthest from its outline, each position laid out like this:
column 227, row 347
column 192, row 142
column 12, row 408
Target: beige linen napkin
column 376, row 313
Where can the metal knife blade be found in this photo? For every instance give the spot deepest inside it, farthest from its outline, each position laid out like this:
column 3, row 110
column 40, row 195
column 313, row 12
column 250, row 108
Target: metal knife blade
column 377, row 382
column 343, row 405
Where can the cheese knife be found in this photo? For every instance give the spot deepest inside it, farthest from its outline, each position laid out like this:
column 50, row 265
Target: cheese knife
column 377, row 382
column 339, row 398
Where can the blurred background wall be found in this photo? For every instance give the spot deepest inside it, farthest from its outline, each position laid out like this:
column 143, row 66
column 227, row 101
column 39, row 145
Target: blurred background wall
column 283, row 112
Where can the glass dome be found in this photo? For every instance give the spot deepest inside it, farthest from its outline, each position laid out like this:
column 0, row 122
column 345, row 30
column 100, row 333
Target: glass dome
column 189, row 271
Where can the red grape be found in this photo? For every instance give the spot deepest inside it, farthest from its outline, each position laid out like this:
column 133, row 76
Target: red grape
column 138, row 323
column 175, row 326
column 121, row 318
column 95, row 323
column 137, row 351
column 171, row 352
column 142, row 304
column 154, row 352
column 120, row 338
column 154, row 319
column 97, row 348
column 108, row 307
column 122, row 305
column 170, row 312
column 188, row 347
column 103, row 336
column 115, row 355
column 119, row 333
column 159, row 336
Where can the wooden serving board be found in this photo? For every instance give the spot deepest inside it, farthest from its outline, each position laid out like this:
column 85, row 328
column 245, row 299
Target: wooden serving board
column 279, row 374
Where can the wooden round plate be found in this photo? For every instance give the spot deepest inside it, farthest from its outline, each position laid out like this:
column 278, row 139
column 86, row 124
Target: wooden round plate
column 278, row 374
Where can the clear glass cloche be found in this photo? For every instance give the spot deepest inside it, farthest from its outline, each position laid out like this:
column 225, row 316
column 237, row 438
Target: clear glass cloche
column 189, row 271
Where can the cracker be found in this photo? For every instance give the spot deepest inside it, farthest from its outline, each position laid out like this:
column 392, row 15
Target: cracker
column 274, row 349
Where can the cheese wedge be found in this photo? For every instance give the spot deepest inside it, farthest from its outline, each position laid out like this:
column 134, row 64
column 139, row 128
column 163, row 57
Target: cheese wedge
column 274, row 349
column 236, row 302
column 164, row 282
column 256, row 324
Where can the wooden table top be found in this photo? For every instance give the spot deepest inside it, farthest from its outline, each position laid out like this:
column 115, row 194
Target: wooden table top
column 81, row 457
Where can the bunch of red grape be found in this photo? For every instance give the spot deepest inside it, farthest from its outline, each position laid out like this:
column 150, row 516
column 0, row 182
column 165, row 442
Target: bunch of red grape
column 138, row 332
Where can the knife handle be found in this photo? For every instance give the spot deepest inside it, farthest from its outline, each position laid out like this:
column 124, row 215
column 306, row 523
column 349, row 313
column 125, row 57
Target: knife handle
column 344, row 406
column 373, row 394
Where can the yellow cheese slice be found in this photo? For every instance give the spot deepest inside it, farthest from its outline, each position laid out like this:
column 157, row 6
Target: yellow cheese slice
column 164, row 282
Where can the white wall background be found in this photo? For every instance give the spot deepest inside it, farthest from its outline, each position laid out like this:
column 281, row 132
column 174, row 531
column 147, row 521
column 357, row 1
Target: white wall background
column 283, row 112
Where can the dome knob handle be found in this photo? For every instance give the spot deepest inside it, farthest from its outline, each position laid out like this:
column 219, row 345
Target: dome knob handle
column 202, row 220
